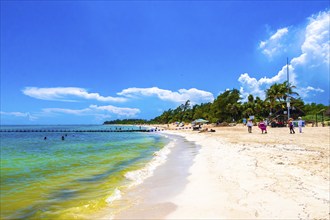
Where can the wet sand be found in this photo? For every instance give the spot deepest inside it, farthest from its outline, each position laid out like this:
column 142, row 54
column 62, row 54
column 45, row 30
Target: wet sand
column 152, row 199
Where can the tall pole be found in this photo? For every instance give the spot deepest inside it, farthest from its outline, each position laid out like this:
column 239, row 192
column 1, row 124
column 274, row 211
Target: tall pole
column 287, row 97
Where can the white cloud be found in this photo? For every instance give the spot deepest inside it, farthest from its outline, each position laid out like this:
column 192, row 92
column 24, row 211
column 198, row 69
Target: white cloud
column 314, row 54
column 193, row 94
column 257, row 87
column 110, row 111
column 274, row 45
column 116, row 110
column 243, row 94
column 250, row 84
column 262, row 44
column 309, row 88
column 69, row 94
column 27, row 115
column 315, row 49
column 94, row 110
column 85, row 111
column 308, row 91
column 279, row 34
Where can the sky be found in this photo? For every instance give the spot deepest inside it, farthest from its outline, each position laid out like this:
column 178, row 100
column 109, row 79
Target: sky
column 85, row 62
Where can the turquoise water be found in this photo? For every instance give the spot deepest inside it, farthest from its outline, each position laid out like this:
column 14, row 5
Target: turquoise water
column 71, row 178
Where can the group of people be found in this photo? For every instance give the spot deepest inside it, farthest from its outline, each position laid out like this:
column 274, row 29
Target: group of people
column 291, row 125
column 63, row 138
column 263, row 125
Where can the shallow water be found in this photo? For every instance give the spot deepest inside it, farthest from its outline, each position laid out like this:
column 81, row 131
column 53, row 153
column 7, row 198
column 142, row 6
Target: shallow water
column 71, row 178
column 153, row 199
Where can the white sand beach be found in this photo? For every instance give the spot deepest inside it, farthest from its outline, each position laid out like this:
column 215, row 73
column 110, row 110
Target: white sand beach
column 257, row 176
column 241, row 175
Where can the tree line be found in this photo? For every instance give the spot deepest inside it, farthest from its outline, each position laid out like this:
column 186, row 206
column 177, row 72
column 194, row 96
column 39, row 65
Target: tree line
column 228, row 107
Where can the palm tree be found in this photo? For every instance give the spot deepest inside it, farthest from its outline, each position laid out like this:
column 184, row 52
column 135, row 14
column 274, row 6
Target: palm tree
column 277, row 94
column 248, row 112
column 289, row 90
column 251, row 98
column 273, row 94
column 184, row 108
column 233, row 109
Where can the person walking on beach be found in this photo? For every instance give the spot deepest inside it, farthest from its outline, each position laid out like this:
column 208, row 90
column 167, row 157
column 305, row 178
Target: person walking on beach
column 300, row 124
column 249, row 124
column 291, row 127
column 262, row 125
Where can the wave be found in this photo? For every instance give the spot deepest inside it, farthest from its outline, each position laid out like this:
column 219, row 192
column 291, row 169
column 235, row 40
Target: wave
column 138, row 176
column 115, row 196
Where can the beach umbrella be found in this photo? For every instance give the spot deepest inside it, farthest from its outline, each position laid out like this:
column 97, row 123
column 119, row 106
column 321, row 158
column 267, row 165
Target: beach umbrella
column 200, row 120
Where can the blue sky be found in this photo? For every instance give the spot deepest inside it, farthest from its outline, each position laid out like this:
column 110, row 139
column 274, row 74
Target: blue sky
column 70, row 62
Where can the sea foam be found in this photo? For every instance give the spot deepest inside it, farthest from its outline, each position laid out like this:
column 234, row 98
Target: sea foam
column 138, row 176
column 115, row 196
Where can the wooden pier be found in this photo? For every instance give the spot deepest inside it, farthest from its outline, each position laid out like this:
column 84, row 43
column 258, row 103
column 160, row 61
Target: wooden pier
column 78, row 131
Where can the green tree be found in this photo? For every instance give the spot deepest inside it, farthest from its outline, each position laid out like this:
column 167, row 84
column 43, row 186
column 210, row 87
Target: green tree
column 251, row 98
column 248, row 112
column 227, row 106
column 277, row 95
column 221, row 110
column 185, row 111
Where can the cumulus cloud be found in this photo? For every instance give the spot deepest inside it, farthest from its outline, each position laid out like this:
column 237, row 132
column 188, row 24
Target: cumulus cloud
column 69, row 94
column 182, row 95
column 244, row 95
column 315, row 49
column 27, row 115
column 94, row 110
column 314, row 57
column 274, row 44
column 250, row 84
column 257, row 87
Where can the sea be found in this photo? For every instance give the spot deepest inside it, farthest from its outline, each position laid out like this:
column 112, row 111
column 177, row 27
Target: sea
column 55, row 174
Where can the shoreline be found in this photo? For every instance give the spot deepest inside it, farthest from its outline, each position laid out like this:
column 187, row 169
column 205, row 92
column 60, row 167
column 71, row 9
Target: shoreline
column 227, row 174
column 151, row 198
column 169, row 180
column 253, row 176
